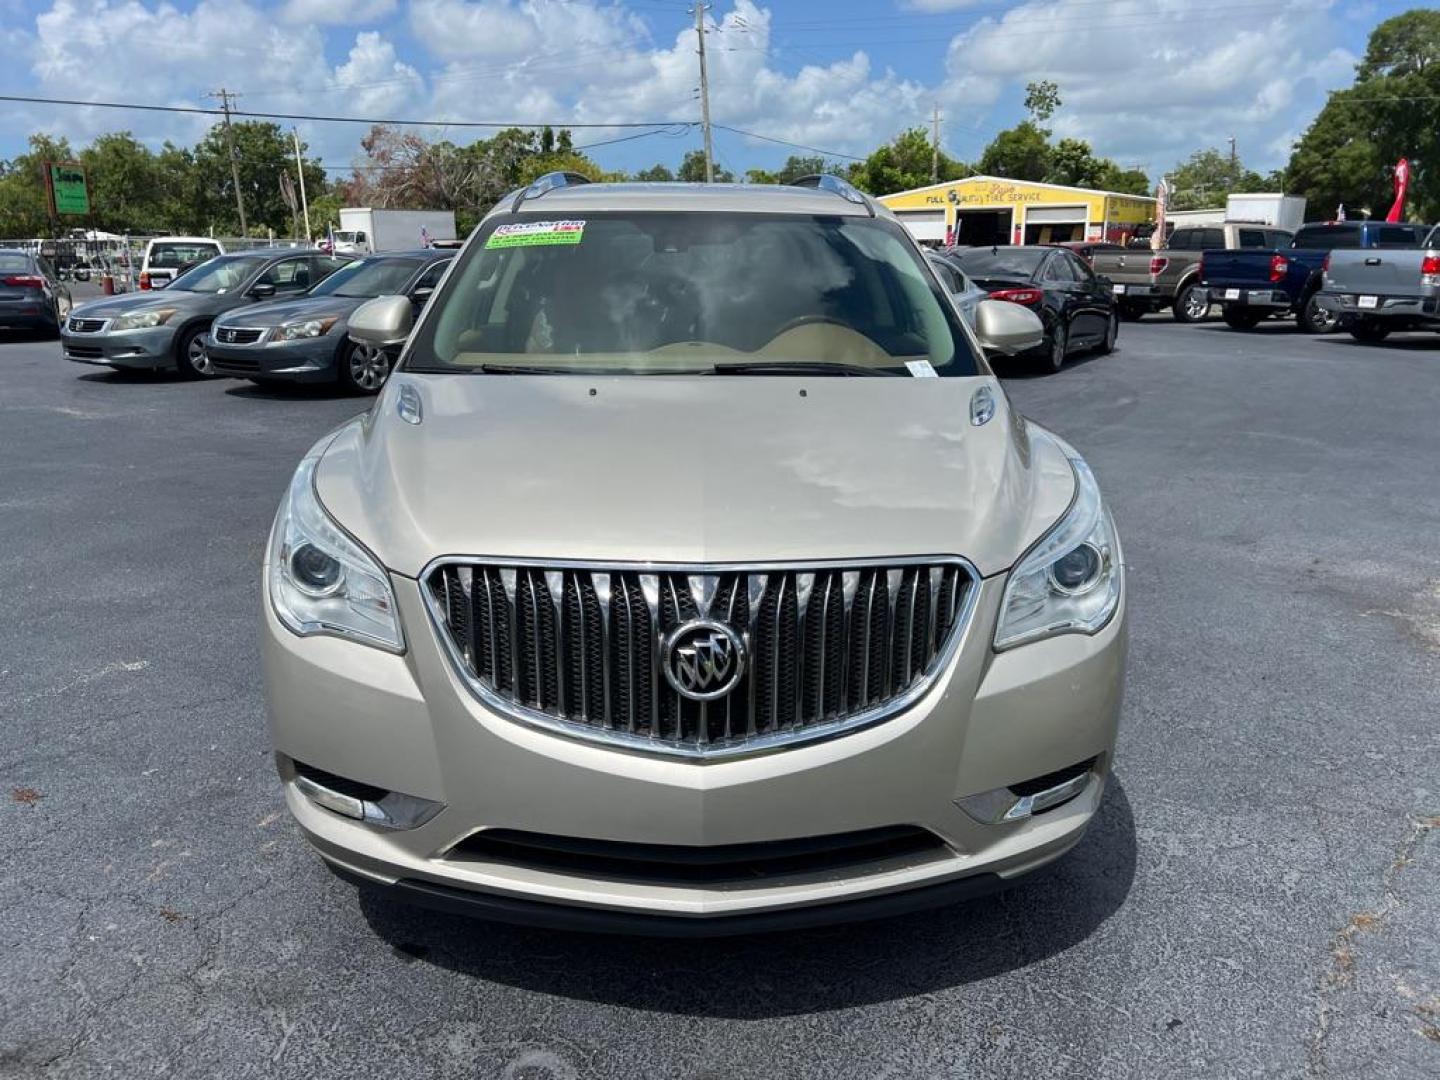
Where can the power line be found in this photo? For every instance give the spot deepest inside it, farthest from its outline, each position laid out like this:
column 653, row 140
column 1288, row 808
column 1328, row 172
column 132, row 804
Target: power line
column 786, row 142
column 197, row 110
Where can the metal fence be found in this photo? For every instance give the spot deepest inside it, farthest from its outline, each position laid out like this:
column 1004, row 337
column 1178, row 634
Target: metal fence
column 118, row 257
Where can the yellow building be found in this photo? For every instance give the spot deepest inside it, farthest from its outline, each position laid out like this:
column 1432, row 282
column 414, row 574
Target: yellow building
column 982, row 210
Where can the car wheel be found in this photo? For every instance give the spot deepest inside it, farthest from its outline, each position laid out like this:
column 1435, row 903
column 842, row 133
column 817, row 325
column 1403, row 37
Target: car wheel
column 1192, row 305
column 1112, row 331
column 364, row 368
column 1369, row 331
column 190, row 356
column 1240, row 319
column 1055, row 355
column 1314, row 319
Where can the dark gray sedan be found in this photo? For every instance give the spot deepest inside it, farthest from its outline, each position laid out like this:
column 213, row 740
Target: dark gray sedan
column 165, row 330
column 305, row 340
column 32, row 296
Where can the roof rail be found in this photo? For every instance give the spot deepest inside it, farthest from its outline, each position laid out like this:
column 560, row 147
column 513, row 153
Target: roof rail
column 836, row 186
column 549, row 182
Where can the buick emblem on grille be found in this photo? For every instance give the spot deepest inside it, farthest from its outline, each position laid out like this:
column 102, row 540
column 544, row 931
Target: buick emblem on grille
column 703, row 659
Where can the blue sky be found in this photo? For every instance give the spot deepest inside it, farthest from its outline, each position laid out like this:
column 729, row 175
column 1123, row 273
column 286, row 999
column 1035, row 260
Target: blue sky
column 1146, row 81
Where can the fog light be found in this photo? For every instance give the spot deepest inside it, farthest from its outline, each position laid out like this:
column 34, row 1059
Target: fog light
column 1031, row 797
column 363, row 802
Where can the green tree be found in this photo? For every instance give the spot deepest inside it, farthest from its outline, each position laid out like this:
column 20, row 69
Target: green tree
column 24, row 210
column 1392, row 110
column 902, row 164
column 1206, row 177
column 692, row 169
column 263, row 151
column 655, row 174
column 125, row 189
column 1072, row 162
column 1042, row 99
column 1019, row 153
column 1125, row 181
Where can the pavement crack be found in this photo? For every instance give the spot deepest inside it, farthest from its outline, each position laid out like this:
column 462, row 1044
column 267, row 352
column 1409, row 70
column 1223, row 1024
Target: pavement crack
column 1339, row 972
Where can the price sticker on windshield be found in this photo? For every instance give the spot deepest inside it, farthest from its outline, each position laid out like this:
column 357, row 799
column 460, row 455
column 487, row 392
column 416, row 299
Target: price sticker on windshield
column 537, row 234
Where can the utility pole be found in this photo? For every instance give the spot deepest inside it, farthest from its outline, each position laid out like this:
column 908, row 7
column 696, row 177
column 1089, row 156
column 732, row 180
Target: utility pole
column 300, row 169
column 935, row 144
column 700, row 9
column 225, row 96
column 1234, row 167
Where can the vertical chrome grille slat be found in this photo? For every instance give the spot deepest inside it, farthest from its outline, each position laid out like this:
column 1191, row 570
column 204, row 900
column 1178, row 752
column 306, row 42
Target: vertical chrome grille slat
column 580, row 648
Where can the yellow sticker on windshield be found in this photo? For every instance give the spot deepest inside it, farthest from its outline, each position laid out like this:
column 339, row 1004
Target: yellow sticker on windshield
column 536, row 233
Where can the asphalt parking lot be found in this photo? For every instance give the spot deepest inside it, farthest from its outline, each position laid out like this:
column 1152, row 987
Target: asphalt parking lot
column 1260, row 895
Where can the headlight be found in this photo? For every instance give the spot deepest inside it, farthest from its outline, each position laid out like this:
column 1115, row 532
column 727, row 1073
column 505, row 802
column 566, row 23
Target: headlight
column 309, row 328
column 1070, row 581
column 140, row 320
column 321, row 581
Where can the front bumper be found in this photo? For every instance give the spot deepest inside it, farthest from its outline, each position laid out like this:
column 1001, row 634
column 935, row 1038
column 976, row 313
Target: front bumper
column 152, row 347
column 407, row 724
column 1270, row 299
column 307, row 360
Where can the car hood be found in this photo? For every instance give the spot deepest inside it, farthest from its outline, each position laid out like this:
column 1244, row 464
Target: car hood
column 692, row 469
column 111, row 306
column 276, row 312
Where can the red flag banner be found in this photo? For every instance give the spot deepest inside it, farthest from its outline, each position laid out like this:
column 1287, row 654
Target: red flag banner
column 1402, row 182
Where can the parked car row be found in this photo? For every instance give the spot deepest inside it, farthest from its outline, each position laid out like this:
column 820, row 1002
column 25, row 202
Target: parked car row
column 263, row 315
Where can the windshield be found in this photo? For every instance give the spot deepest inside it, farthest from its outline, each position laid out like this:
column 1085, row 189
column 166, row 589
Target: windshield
column 169, row 256
column 219, row 275
column 702, row 293
column 1000, row 261
column 369, row 277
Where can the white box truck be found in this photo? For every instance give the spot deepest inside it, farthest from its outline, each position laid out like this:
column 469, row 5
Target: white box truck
column 364, row 230
column 1282, row 211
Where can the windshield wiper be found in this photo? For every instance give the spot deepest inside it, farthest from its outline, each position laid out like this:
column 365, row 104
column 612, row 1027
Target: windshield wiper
column 521, row 369
column 795, row 367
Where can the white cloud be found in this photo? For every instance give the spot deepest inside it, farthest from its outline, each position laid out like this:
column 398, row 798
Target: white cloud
column 1150, row 81
column 334, row 12
column 936, row 7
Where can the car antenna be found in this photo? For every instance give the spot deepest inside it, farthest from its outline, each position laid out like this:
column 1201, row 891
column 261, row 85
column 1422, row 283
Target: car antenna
column 994, row 249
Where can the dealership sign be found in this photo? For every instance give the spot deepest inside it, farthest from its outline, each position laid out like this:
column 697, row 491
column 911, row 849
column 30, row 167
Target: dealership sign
column 65, row 184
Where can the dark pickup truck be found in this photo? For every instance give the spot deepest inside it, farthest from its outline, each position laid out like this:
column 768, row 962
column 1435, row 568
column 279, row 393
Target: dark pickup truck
column 1251, row 286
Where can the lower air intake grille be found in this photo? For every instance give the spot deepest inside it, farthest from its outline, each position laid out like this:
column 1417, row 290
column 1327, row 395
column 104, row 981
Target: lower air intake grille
column 701, row 661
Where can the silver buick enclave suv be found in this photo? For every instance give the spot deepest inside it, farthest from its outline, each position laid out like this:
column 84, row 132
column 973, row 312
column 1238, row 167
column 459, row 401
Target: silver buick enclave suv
column 692, row 574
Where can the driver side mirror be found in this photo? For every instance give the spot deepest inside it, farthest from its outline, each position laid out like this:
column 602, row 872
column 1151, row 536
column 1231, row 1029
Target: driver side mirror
column 1003, row 327
column 262, row 290
column 386, row 320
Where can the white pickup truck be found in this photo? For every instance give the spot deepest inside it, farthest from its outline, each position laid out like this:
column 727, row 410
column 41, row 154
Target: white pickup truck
column 1377, row 292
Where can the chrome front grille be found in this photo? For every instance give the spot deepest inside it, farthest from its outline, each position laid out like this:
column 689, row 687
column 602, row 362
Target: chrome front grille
column 86, row 326
column 584, row 649
column 237, row 335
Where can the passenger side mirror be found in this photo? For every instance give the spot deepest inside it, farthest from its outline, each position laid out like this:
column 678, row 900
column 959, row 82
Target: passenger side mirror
column 262, row 290
column 386, row 320
column 1002, row 327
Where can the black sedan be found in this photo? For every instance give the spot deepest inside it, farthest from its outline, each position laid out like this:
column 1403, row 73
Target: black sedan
column 304, row 339
column 32, row 296
column 1077, row 308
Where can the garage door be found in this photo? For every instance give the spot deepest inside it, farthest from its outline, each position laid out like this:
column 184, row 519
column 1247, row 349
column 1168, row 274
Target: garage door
column 1045, row 215
column 923, row 224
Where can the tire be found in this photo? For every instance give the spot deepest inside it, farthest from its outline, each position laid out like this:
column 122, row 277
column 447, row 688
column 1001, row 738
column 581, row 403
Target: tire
column 1240, row 319
column 1192, row 303
column 1058, row 346
column 1313, row 319
column 1369, row 331
column 364, row 368
column 1112, row 332
column 190, row 358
